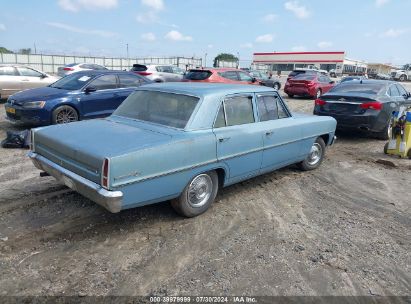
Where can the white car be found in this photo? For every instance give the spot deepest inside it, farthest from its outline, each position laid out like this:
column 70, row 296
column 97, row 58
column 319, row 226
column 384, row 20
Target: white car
column 76, row 67
column 15, row 78
column 159, row 73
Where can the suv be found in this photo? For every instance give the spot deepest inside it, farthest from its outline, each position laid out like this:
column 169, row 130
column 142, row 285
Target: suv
column 159, row 73
column 402, row 75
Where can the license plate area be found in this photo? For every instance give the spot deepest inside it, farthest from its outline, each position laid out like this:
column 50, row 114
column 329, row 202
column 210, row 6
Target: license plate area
column 11, row 110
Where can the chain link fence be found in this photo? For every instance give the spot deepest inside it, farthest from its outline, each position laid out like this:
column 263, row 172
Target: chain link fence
column 50, row 63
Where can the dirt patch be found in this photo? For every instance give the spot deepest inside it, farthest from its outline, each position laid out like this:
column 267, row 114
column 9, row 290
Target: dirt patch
column 343, row 229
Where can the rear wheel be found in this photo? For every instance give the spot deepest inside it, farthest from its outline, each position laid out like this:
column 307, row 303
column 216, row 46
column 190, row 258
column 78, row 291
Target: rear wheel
column 290, row 95
column 198, row 195
column 64, row 114
column 315, row 157
column 403, row 78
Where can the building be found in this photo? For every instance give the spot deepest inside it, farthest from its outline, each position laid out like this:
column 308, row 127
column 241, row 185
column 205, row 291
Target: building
column 288, row 61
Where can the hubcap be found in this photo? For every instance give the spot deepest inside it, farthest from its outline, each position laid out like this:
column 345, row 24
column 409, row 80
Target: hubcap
column 315, row 154
column 66, row 116
column 200, row 190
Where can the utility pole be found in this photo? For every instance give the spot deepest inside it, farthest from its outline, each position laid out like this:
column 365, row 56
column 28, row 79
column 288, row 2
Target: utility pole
column 128, row 59
column 238, row 58
column 205, row 60
column 35, row 49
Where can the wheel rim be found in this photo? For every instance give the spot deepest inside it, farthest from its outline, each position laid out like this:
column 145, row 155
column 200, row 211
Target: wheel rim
column 200, row 190
column 66, row 116
column 315, row 154
column 276, row 87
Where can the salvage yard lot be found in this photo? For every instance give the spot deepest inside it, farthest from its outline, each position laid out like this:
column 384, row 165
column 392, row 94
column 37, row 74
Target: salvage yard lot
column 343, row 229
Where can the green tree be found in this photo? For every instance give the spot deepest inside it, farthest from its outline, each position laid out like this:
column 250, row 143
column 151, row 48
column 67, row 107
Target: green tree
column 224, row 57
column 3, row 50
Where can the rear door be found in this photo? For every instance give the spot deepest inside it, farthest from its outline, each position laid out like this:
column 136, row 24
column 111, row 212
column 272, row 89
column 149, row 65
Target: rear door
column 104, row 100
column 281, row 135
column 31, row 78
column 238, row 137
column 10, row 81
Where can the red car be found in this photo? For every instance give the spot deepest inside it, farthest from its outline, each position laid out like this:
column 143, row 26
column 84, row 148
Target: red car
column 313, row 85
column 223, row 75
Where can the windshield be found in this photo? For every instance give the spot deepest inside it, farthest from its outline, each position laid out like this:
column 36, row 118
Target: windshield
column 72, row 82
column 169, row 109
column 356, row 87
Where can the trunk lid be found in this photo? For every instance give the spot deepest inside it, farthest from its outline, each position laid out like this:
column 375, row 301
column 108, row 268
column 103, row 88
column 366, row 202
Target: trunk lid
column 81, row 147
column 347, row 103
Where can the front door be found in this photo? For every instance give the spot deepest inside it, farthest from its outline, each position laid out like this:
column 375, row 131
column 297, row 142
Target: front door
column 239, row 142
column 103, row 100
column 281, row 135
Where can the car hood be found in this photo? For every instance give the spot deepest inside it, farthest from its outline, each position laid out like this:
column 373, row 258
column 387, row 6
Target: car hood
column 44, row 93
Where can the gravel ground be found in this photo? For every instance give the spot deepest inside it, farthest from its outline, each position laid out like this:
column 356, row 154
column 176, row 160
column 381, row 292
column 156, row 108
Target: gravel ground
column 343, row 229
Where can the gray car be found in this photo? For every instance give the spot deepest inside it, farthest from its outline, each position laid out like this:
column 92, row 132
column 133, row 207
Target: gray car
column 77, row 67
column 15, row 78
column 159, row 73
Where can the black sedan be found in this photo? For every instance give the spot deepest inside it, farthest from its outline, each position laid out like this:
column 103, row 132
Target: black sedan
column 266, row 81
column 364, row 105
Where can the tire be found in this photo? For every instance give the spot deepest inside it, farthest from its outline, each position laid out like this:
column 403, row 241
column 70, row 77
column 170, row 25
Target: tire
column 64, row 114
column 318, row 94
column 290, row 95
column 386, row 148
column 205, row 186
column 316, row 156
column 276, row 86
column 384, row 134
column 402, row 78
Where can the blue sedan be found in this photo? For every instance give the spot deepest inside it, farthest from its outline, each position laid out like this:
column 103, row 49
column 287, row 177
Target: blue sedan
column 180, row 141
column 79, row 96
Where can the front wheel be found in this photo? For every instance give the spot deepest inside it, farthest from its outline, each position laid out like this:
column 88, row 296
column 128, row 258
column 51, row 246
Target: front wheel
column 198, row 195
column 276, row 86
column 315, row 157
column 403, row 78
column 64, row 114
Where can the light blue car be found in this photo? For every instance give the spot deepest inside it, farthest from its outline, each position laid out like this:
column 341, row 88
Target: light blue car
column 180, row 142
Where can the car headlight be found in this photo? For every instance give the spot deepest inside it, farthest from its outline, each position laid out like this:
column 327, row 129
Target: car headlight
column 34, row 104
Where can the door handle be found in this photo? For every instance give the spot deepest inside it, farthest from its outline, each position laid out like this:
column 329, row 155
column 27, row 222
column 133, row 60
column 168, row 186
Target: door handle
column 269, row 133
column 223, row 139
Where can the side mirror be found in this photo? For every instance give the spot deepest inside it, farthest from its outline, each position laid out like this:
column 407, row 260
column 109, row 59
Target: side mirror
column 89, row 90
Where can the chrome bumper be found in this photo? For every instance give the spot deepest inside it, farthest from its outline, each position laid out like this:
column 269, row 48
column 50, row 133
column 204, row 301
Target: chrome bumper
column 111, row 200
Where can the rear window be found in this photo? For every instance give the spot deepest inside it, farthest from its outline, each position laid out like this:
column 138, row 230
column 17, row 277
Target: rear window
column 298, row 72
column 355, row 87
column 198, row 75
column 168, row 109
column 304, row 77
column 139, row 68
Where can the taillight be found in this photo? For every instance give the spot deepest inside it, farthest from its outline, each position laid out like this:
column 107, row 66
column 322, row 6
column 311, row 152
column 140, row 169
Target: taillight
column 320, row 102
column 372, row 105
column 68, row 69
column 310, row 83
column 105, row 173
column 144, row 73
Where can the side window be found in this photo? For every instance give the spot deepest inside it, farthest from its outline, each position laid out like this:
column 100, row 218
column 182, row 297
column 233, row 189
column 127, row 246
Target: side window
column 7, row 71
column 239, row 110
column 232, row 75
column 164, row 69
column 104, row 82
column 394, row 91
column 267, row 107
column 28, row 72
column 220, row 120
column 401, row 89
column 177, row 70
column 244, row 77
column 129, row 81
column 282, row 112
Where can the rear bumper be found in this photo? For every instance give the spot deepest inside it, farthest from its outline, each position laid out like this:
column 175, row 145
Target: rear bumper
column 111, row 200
column 300, row 91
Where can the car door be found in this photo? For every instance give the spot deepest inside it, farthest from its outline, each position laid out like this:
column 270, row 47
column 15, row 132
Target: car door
column 178, row 73
column 31, row 78
column 167, row 73
column 245, row 78
column 10, row 81
column 100, row 97
column 281, row 135
column 239, row 141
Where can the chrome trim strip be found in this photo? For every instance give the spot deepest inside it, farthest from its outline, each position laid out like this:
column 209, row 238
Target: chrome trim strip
column 111, row 200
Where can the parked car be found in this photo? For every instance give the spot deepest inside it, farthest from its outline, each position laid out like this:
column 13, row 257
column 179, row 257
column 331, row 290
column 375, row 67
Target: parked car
column 159, row 73
column 272, row 82
column 308, row 84
column 15, row 78
column 365, row 106
column 221, row 75
column 180, row 141
column 83, row 95
column 353, row 78
column 77, row 67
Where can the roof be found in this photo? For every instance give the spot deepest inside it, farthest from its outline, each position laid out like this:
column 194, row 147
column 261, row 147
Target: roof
column 373, row 81
column 202, row 89
column 99, row 72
